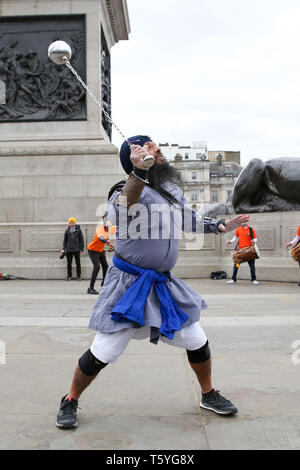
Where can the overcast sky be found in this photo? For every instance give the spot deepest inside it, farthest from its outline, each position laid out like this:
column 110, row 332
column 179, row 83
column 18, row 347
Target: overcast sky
column 222, row 71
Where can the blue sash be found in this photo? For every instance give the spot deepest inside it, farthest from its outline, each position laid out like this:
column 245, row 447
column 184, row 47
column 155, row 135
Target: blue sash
column 132, row 305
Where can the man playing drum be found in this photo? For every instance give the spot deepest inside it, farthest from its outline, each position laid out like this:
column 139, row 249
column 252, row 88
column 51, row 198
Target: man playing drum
column 295, row 242
column 245, row 237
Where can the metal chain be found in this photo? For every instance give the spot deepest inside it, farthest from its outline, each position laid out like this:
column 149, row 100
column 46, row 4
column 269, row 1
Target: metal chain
column 95, row 100
column 149, row 159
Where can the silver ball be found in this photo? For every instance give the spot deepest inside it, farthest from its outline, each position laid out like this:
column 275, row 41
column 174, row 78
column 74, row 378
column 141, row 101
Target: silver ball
column 59, row 52
column 148, row 161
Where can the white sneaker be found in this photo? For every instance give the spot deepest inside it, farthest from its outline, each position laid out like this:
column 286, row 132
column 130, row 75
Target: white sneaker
column 255, row 282
column 231, row 281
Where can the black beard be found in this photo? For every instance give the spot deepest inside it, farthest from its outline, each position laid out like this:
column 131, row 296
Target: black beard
column 161, row 172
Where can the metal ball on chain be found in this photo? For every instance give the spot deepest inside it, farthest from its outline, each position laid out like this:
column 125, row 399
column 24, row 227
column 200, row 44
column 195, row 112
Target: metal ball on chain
column 60, row 53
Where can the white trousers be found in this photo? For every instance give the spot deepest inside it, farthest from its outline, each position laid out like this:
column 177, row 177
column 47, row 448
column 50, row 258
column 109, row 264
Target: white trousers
column 107, row 347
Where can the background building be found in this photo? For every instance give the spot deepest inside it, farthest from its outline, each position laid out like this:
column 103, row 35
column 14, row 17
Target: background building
column 227, row 156
column 205, row 181
column 199, row 151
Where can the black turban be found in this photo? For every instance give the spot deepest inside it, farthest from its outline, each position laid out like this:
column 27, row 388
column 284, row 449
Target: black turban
column 125, row 151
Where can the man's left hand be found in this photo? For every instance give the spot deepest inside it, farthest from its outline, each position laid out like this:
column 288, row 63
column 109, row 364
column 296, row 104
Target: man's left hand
column 235, row 222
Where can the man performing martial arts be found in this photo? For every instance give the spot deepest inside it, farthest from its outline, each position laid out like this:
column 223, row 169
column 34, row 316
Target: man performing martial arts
column 141, row 297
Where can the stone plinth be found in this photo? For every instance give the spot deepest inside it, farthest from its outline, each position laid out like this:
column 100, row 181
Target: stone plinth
column 51, row 170
column 50, row 182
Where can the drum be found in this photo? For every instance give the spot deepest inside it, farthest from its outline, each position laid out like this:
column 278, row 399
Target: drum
column 245, row 254
column 295, row 252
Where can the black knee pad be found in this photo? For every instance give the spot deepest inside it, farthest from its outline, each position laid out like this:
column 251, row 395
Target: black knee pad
column 199, row 355
column 89, row 364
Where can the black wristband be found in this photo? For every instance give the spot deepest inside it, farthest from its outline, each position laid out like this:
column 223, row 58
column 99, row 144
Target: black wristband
column 143, row 174
column 220, row 221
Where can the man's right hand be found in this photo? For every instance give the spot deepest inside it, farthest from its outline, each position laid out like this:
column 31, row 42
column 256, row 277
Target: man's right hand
column 137, row 155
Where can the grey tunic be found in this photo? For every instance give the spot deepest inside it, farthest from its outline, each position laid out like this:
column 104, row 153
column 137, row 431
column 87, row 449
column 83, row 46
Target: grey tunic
column 148, row 236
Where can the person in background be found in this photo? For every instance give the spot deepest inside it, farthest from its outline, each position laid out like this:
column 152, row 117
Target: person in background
column 96, row 251
column 294, row 242
column 72, row 246
column 245, row 236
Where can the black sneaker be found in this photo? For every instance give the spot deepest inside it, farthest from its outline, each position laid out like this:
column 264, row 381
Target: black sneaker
column 78, row 278
column 69, row 279
column 213, row 401
column 92, row 291
column 67, row 417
